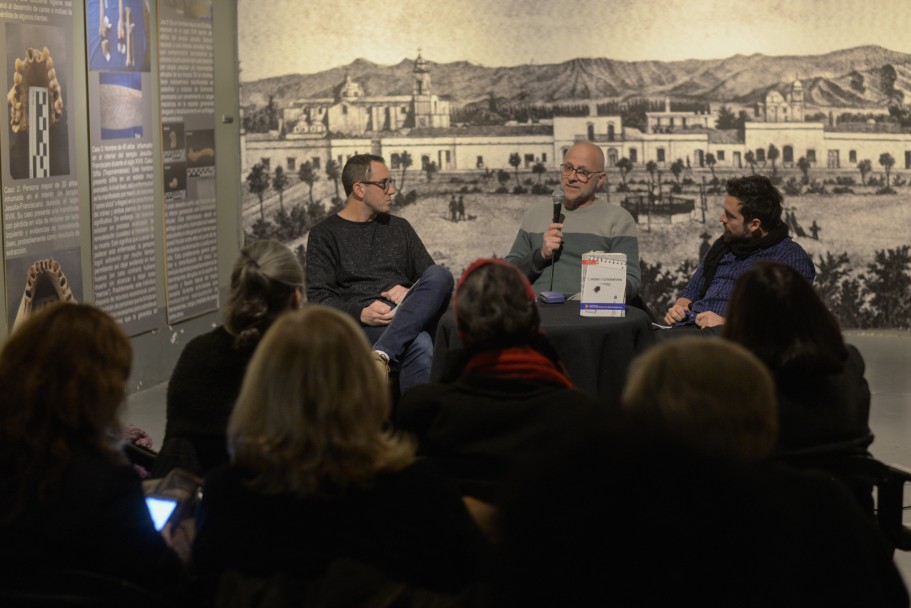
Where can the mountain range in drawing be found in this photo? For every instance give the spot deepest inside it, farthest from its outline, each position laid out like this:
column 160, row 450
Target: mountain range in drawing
column 861, row 77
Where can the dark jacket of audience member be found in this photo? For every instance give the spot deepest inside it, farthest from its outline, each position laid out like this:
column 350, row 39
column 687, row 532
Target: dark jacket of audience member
column 503, row 396
column 267, row 280
column 823, row 398
column 628, row 517
column 315, row 479
column 68, row 497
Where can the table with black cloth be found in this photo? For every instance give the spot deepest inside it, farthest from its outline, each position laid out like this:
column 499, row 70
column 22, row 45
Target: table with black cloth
column 596, row 351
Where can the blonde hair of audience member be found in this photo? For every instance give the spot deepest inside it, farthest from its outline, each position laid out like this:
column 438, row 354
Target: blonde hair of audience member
column 310, row 415
column 63, row 373
column 267, row 280
column 711, row 393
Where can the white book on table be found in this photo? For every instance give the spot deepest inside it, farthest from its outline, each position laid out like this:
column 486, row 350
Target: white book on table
column 603, row 284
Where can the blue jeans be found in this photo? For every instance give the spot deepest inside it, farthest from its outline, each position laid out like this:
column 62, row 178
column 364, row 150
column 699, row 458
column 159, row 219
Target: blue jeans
column 408, row 339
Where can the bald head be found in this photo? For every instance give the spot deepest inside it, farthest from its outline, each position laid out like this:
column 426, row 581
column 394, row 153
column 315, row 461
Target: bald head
column 591, row 151
column 579, row 186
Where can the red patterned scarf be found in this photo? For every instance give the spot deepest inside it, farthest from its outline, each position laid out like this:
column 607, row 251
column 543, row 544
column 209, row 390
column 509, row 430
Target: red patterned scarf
column 518, row 362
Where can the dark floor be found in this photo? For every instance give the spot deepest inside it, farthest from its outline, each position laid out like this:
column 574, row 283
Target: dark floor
column 888, row 358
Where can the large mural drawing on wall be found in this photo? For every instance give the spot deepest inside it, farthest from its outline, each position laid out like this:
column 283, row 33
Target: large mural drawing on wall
column 474, row 105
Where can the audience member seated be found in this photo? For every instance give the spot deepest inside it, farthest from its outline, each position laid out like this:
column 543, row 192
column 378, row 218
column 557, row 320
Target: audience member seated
column 627, row 517
column 267, row 280
column 69, row 500
column 503, row 395
column 823, row 398
column 753, row 232
column 711, row 394
column 315, row 479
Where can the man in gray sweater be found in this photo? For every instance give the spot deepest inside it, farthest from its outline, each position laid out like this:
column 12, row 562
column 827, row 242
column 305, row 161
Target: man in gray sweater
column 589, row 224
column 366, row 262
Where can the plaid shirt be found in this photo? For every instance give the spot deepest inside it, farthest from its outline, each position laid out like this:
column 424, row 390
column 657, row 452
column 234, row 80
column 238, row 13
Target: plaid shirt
column 730, row 268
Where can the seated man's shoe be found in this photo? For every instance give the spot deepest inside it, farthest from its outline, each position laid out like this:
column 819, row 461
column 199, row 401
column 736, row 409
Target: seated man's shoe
column 382, row 363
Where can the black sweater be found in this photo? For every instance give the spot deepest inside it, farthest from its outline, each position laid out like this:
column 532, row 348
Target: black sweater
column 205, row 384
column 350, row 263
column 201, row 394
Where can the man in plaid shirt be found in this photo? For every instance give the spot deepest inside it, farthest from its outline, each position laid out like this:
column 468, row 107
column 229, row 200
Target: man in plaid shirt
column 753, row 232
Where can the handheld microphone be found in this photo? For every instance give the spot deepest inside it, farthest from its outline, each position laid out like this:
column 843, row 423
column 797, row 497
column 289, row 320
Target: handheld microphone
column 552, row 297
column 557, row 197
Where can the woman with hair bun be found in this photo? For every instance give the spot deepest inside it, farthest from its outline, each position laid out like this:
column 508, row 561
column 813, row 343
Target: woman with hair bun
column 266, row 281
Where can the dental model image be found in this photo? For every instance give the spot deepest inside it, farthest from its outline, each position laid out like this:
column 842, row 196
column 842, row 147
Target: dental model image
column 45, row 283
column 36, row 69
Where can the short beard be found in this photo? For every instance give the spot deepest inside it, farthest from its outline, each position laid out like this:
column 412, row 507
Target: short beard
column 746, row 235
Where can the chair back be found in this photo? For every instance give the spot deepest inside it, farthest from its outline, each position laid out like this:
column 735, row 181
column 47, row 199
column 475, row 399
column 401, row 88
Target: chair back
column 851, row 463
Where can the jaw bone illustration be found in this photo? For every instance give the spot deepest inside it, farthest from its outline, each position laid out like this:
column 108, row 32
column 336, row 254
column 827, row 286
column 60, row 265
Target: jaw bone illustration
column 195, row 155
column 45, row 284
column 36, row 70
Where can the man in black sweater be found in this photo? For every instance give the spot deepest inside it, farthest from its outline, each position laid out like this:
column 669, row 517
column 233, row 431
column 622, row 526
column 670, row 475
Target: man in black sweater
column 365, row 262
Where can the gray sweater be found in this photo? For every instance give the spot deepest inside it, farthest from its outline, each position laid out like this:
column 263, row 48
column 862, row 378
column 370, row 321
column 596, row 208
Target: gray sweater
column 599, row 227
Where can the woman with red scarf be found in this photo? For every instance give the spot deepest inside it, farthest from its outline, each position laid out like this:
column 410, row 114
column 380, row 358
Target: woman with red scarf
column 503, row 396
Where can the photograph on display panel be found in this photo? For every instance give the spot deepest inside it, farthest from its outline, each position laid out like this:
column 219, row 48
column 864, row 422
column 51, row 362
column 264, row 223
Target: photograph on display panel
column 201, row 153
column 33, row 284
column 118, row 35
column 173, row 138
column 121, row 105
column 36, row 101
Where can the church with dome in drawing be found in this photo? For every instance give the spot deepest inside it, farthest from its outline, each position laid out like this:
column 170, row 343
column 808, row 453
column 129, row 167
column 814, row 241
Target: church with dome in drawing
column 352, row 121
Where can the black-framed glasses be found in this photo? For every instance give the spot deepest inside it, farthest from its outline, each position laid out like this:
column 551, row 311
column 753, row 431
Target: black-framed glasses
column 583, row 175
column 384, row 184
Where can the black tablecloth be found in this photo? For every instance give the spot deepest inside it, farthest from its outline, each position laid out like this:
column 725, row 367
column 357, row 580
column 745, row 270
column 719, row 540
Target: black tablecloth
column 596, row 350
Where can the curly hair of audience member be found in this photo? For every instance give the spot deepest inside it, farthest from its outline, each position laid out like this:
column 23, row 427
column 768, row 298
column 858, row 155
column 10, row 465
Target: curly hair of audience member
column 64, row 374
column 494, row 302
